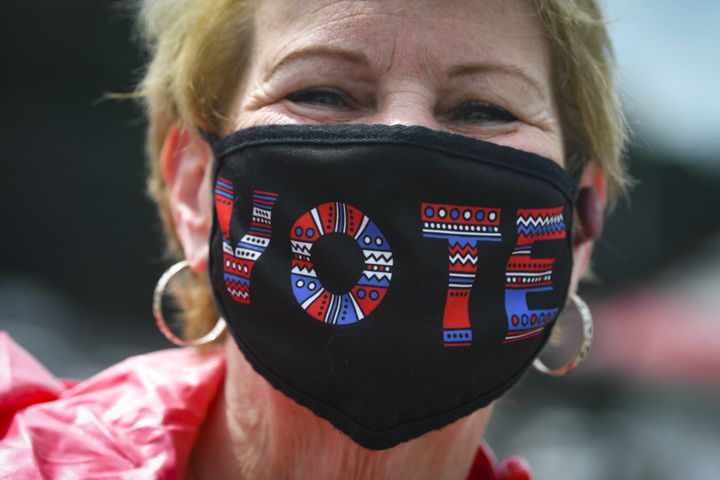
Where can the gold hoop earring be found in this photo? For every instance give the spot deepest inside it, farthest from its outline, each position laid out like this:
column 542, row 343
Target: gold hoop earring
column 162, row 283
column 587, row 332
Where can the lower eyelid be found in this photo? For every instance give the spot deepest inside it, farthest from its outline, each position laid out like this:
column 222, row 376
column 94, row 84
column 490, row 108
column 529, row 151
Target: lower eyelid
column 486, row 132
column 318, row 115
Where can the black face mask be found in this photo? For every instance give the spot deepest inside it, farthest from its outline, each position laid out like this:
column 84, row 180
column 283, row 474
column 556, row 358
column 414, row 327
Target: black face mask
column 391, row 279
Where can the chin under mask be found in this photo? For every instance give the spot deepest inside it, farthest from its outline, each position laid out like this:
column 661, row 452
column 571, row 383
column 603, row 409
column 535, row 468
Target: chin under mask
column 391, row 279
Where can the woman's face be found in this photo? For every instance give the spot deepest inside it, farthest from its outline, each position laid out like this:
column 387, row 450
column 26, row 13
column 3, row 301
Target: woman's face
column 477, row 68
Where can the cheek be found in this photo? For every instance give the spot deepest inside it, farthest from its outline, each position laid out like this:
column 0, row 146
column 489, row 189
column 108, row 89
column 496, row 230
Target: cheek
column 264, row 116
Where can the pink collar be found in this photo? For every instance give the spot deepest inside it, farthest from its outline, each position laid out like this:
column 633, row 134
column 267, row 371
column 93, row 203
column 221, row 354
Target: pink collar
column 136, row 419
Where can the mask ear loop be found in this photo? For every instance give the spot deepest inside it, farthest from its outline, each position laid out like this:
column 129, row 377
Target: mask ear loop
column 590, row 215
column 588, row 209
column 587, row 332
column 212, row 139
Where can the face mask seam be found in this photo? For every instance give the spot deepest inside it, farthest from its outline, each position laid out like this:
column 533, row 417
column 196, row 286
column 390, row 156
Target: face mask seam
column 565, row 186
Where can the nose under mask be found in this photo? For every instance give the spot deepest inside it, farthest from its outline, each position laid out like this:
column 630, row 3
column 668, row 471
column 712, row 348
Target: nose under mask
column 391, row 279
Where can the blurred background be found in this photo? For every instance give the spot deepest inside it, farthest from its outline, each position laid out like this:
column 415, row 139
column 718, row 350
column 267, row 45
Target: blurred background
column 81, row 247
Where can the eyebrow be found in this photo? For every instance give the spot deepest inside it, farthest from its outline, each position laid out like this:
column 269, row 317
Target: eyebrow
column 513, row 70
column 352, row 56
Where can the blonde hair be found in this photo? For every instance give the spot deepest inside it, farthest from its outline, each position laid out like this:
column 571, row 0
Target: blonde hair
column 198, row 49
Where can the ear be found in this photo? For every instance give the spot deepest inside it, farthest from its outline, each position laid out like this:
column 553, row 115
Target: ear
column 185, row 162
column 589, row 209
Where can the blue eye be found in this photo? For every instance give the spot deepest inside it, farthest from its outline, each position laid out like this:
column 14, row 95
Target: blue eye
column 481, row 112
column 321, row 97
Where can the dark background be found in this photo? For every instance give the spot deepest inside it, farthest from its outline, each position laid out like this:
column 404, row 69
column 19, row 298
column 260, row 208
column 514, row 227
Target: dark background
column 80, row 244
column 73, row 177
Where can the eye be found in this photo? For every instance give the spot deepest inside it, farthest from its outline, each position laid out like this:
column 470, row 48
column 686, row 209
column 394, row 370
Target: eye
column 480, row 112
column 322, row 97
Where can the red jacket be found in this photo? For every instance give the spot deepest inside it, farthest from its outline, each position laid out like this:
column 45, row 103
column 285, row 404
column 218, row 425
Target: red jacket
column 137, row 419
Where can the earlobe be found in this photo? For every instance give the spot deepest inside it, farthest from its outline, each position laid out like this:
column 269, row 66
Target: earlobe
column 185, row 162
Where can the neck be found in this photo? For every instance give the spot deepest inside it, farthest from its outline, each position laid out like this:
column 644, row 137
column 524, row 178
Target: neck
column 254, row 431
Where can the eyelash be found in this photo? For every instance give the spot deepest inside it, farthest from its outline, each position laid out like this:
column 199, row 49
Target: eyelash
column 467, row 112
column 319, row 96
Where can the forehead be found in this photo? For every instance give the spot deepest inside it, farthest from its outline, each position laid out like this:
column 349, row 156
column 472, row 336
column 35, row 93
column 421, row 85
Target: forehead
column 417, row 33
